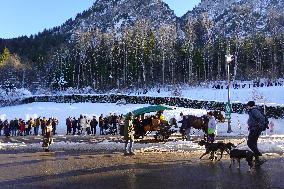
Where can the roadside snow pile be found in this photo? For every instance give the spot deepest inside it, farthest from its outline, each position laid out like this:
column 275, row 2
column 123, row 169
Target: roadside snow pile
column 68, row 146
column 12, row 146
column 178, row 146
column 105, row 145
column 266, row 146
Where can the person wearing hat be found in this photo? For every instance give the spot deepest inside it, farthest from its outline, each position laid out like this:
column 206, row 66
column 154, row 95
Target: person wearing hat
column 255, row 121
column 129, row 135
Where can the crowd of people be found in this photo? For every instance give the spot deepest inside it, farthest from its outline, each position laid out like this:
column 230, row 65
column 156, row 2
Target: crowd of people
column 33, row 126
column 109, row 124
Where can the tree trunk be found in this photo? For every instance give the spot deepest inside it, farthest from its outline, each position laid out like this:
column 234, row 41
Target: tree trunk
column 189, row 70
column 163, row 68
column 144, row 70
column 204, row 65
column 236, row 62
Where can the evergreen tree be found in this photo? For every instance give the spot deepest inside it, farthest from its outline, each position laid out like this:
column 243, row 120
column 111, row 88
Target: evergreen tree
column 5, row 55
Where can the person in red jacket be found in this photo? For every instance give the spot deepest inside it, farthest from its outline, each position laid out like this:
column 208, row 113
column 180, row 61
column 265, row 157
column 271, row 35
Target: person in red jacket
column 22, row 127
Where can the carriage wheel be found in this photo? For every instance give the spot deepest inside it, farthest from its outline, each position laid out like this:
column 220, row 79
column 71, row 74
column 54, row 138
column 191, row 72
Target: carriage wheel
column 159, row 137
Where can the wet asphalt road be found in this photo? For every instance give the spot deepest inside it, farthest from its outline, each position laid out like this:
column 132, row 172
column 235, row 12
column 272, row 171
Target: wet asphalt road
column 95, row 170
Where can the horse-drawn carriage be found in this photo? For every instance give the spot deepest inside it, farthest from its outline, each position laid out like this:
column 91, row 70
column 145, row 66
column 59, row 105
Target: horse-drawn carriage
column 144, row 125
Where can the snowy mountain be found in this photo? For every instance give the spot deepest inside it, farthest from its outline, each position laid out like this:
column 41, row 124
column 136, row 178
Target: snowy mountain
column 229, row 17
column 240, row 18
column 116, row 15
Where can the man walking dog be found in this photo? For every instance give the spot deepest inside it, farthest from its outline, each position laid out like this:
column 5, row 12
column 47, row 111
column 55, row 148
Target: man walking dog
column 255, row 122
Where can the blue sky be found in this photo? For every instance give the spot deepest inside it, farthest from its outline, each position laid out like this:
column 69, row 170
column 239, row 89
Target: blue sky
column 26, row 17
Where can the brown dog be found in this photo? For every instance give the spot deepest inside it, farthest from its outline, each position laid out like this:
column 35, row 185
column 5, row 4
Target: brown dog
column 212, row 148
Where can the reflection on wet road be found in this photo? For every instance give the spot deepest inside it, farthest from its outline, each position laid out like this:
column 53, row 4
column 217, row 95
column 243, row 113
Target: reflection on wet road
column 76, row 170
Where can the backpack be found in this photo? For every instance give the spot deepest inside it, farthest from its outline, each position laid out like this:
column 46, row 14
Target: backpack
column 263, row 126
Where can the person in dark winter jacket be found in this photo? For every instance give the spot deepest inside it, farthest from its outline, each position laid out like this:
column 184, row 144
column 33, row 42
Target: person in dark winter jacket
column 74, row 125
column 94, row 124
column 69, row 122
column 14, row 127
column 36, row 126
column 185, row 127
column 114, row 121
column 43, row 125
column 255, row 123
column 54, row 124
column 7, row 129
column 101, row 124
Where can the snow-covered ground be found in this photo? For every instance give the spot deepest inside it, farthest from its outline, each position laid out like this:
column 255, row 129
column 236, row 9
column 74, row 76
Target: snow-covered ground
column 271, row 96
column 268, row 146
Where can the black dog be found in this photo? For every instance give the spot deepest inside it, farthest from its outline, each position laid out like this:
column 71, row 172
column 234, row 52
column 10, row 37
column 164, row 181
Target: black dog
column 214, row 147
column 241, row 154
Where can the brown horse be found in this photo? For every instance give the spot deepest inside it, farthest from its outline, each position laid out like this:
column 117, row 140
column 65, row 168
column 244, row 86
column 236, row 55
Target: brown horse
column 219, row 116
column 201, row 123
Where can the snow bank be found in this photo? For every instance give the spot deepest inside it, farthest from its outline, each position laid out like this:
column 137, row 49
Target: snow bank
column 14, row 94
column 267, row 146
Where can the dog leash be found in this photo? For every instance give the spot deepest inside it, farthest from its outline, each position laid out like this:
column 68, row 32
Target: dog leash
column 240, row 143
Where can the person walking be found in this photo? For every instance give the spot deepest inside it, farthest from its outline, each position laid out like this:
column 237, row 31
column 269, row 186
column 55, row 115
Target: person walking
column 255, row 123
column 211, row 127
column 129, row 135
column 47, row 137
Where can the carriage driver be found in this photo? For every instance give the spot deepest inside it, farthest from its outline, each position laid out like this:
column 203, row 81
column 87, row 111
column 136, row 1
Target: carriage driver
column 161, row 117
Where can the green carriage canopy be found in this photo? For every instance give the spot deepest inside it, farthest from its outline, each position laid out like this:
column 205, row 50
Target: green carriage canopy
column 149, row 109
